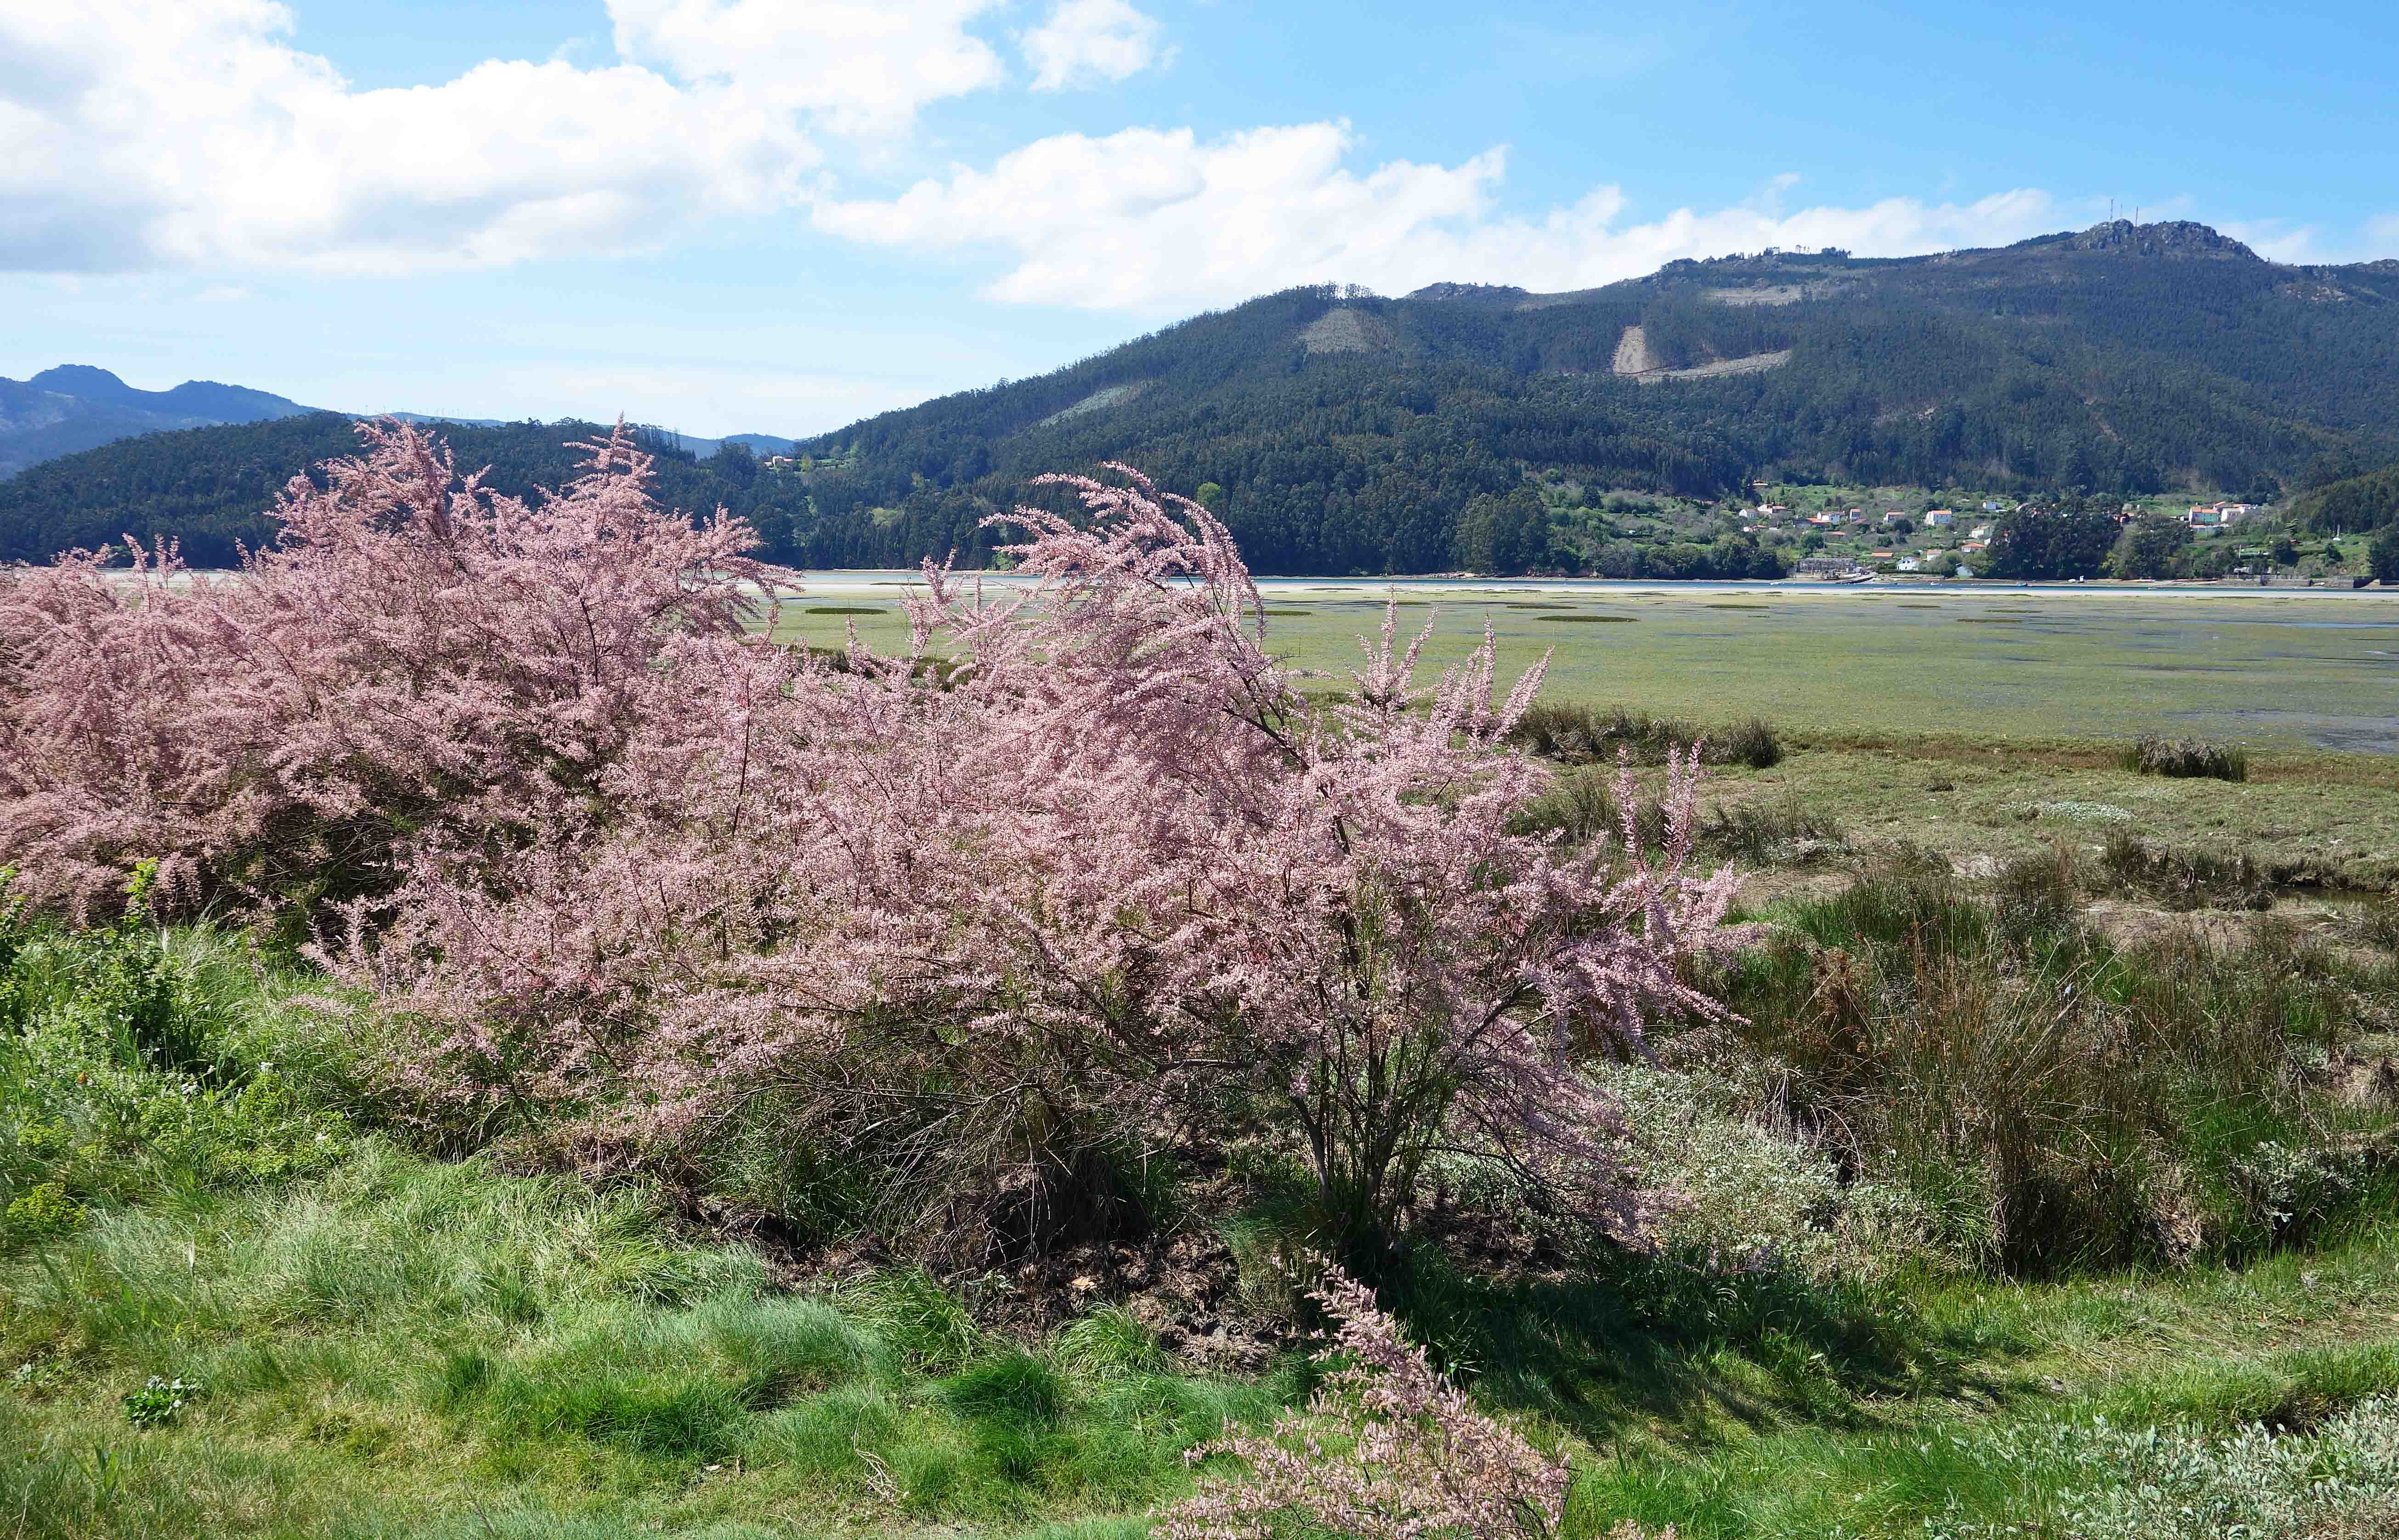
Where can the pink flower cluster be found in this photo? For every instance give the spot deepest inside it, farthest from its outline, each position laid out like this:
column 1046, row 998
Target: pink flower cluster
column 1387, row 1450
column 1082, row 868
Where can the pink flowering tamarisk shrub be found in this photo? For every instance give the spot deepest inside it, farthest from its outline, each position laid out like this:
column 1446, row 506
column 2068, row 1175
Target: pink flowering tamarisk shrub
column 416, row 657
column 1385, row 1449
column 1102, row 882
column 1081, row 874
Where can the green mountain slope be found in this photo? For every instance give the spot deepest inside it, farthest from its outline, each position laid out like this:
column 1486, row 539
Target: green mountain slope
column 2353, row 505
column 1343, row 432
column 1346, row 428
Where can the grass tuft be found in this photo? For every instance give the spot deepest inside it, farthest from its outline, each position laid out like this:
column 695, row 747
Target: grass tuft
column 1015, row 1385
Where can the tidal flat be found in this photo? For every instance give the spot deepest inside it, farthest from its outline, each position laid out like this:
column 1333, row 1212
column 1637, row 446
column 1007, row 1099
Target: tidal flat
column 2288, row 670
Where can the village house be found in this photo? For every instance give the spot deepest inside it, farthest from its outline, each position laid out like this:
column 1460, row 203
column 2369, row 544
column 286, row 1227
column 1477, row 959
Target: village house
column 1940, row 518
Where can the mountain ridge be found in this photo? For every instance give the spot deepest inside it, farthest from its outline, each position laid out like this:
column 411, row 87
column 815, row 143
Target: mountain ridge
column 1338, row 431
column 2122, row 359
column 69, row 408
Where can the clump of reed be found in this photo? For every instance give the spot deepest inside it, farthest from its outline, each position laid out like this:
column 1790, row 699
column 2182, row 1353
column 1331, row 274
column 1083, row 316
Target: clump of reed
column 1582, row 804
column 2186, row 758
column 1576, row 732
column 1769, row 831
column 2187, row 879
column 2376, row 922
column 2052, row 1100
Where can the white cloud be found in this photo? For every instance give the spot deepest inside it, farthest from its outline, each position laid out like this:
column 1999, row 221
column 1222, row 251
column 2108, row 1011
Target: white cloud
column 2278, row 239
column 1155, row 219
column 695, row 398
column 860, row 66
column 1092, row 42
column 2301, row 245
column 159, row 134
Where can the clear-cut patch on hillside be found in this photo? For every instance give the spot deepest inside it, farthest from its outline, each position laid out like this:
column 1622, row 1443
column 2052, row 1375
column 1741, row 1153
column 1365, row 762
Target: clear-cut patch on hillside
column 1634, row 361
column 1780, row 293
column 1348, row 331
column 1099, row 401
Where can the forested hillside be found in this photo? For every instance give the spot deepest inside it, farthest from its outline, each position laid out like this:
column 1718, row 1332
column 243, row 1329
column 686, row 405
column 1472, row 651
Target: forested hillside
column 1338, row 431
column 2354, row 504
column 213, row 488
column 1343, row 426
column 1342, row 432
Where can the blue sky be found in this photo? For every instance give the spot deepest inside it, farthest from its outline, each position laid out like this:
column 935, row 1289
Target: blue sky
column 762, row 215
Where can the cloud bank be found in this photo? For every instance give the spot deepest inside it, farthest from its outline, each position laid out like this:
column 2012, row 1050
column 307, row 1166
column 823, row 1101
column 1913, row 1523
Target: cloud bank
column 1145, row 218
column 142, row 134
column 158, row 135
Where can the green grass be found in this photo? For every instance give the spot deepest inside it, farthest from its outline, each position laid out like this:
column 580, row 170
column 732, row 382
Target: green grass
column 407, row 1347
column 424, row 1340
column 391, row 1343
column 385, row 1342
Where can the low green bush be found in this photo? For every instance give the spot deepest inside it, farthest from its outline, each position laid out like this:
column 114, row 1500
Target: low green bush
column 2039, row 895
column 2108, row 1481
column 1750, row 741
column 136, row 1061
